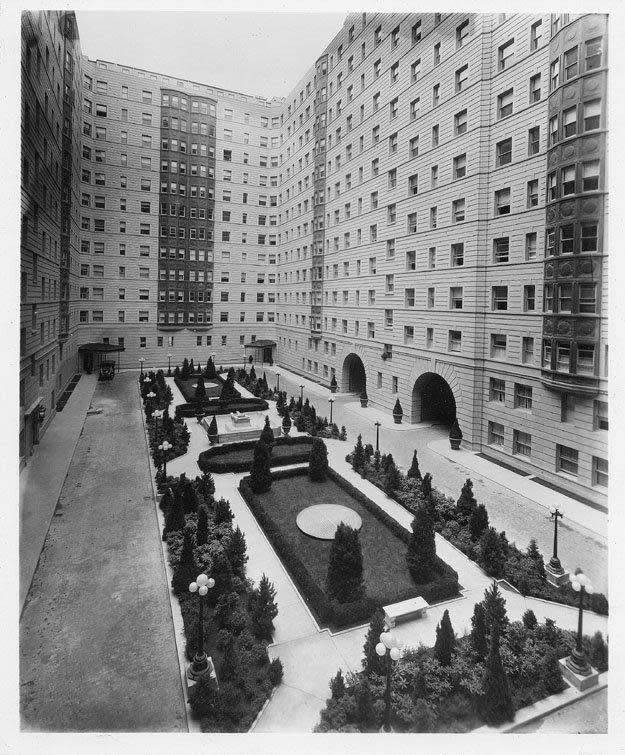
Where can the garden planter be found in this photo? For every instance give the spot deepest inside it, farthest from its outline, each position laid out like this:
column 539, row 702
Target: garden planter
column 212, row 439
column 455, row 443
column 286, row 430
column 397, row 418
column 333, row 388
column 364, row 402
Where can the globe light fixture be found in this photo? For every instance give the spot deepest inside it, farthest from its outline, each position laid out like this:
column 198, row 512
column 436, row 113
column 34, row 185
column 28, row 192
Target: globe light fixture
column 200, row 664
column 388, row 646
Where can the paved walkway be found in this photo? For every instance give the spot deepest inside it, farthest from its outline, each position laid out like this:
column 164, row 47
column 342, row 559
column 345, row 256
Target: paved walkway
column 43, row 476
column 97, row 648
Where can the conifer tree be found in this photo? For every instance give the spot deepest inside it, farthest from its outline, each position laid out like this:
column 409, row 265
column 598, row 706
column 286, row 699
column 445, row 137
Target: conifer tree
column 200, row 389
column 550, row 673
column 174, row 517
column 344, row 578
column 495, row 609
column 426, row 487
column 186, row 569
column 337, row 686
column 201, row 534
column 260, row 473
column 166, row 501
column 191, row 368
column 479, row 643
column 222, row 512
column 236, row 550
column 599, row 652
column 372, row 663
column 264, row 609
column 365, row 712
column 421, row 551
column 252, row 373
column 358, row 456
column 466, row 504
column 212, row 428
column 414, row 472
column 205, row 486
column 343, row 435
column 445, row 641
column 318, row 462
column 266, row 435
column 392, row 478
column 529, row 619
column 492, row 553
column 210, row 369
column 184, row 372
column 478, row 522
column 286, row 421
column 496, row 702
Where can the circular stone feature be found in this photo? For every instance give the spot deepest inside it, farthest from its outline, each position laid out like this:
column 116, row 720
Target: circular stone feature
column 321, row 521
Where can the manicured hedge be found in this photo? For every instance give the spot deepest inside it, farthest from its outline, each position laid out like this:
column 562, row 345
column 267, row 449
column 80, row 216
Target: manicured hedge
column 218, row 407
column 330, row 612
column 286, row 450
column 188, row 391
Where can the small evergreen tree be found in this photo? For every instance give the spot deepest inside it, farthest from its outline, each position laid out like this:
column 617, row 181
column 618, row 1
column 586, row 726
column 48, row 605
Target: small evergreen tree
column 205, row 485
column 478, row 522
column 479, row 642
column 344, row 578
column 191, row 368
column 492, row 553
column 343, row 435
column 177, row 372
column 445, row 641
column 222, row 512
column 211, row 374
column 392, row 478
column 266, row 435
column 426, row 487
column 466, row 504
column 236, row 551
column 212, row 428
column 358, row 456
column 337, row 686
column 529, row 620
column 421, row 551
column 200, row 389
column 550, row 673
column 318, row 462
column 174, row 518
column 252, row 373
column 184, row 372
column 367, row 719
column 495, row 609
column 372, row 663
column 286, row 421
column 186, row 569
column 414, row 472
column 185, row 490
column 166, row 501
column 599, row 652
column 260, row 473
column 264, row 609
column 496, row 702
column 201, row 534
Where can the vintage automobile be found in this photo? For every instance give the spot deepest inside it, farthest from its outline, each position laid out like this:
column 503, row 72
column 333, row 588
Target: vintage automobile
column 107, row 370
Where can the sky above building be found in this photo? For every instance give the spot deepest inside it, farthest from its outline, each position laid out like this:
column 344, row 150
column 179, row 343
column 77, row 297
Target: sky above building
column 255, row 53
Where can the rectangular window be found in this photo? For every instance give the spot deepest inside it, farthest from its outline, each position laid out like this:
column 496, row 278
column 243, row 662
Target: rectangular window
column 495, row 434
column 457, row 211
column 586, row 358
column 429, row 338
column 455, row 297
column 522, row 443
column 501, row 249
column 593, row 53
column 497, row 390
column 590, row 176
column 504, row 104
column 506, row 55
column 527, row 353
column 600, row 472
column 498, row 343
column 566, row 460
column 529, row 298
column 502, row 202
column 455, row 340
column 533, row 141
column 522, row 396
column 600, row 415
column 530, row 245
column 457, row 255
column 411, row 260
column 460, row 166
column 460, row 122
column 532, row 193
column 571, row 63
column 535, row 88
column 500, row 298
column 592, row 115
column 504, row 152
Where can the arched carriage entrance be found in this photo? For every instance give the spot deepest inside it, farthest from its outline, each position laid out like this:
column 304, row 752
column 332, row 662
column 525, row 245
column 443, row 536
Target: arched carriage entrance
column 354, row 376
column 433, row 400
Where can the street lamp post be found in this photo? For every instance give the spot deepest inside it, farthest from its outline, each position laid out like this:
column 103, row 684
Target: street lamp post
column 150, row 397
column 377, row 435
column 301, row 394
column 577, row 661
column 169, row 365
column 278, row 376
column 200, row 663
column 331, row 402
column 554, row 561
column 164, row 448
column 388, row 646
column 157, row 414
column 243, row 347
column 141, row 361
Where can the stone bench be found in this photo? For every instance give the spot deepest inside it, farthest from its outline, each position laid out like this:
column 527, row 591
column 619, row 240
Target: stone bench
column 413, row 608
column 239, row 419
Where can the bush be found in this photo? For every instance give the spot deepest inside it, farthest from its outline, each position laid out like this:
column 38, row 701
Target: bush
column 218, row 407
column 496, row 703
column 492, row 553
column 529, row 619
column 422, row 547
column 414, row 472
column 445, row 640
column 260, row 474
column 599, row 652
column 263, row 609
column 318, row 464
column 344, row 580
column 266, row 435
column 275, row 672
column 455, row 432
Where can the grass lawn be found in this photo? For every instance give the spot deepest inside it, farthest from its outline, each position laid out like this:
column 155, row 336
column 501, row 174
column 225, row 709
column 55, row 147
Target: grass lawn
column 213, row 388
column 386, row 575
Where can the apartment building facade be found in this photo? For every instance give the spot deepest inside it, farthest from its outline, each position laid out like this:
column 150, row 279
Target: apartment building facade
column 423, row 217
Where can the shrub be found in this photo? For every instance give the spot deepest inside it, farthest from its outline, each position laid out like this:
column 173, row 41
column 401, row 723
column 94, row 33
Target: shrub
column 599, row 652
column 212, row 428
column 275, row 672
column 478, row 522
column 260, row 474
column 479, row 642
column 318, row 464
column 266, row 435
column 222, row 512
column 495, row 609
column 174, row 517
column 236, row 551
column 186, row 569
column 492, row 553
column 422, row 547
column 344, row 580
column 263, row 609
column 496, row 703
column 445, row 640
column 343, row 435
column 337, row 686
column 551, row 673
column 455, row 431
column 397, row 408
column 466, row 504
column 358, row 457
column 372, row 663
column 529, row 619
column 286, row 421
column 201, row 534
column 414, row 472
column 200, row 390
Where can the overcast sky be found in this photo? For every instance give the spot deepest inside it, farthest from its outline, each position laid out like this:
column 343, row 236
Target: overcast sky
column 255, row 53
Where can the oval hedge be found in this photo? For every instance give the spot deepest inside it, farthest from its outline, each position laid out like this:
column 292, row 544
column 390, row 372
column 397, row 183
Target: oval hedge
column 223, row 407
column 286, row 450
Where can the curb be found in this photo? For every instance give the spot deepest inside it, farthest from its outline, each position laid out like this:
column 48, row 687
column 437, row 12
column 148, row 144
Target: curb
column 262, row 710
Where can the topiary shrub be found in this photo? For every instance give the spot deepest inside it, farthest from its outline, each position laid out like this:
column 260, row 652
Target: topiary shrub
column 344, row 579
column 260, row 473
column 275, row 672
column 421, row 552
column 318, row 463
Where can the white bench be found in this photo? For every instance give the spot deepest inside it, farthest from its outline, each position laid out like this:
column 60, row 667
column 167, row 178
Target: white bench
column 413, row 608
column 239, row 419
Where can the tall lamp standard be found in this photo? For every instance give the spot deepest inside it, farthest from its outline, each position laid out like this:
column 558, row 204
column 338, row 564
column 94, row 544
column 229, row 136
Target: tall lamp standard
column 554, row 561
column 150, row 396
column 301, row 394
column 388, row 646
column 169, row 365
column 577, row 661
column 164, row 448
column 377, row 435
column 278, row 376
column 331, row 402
column 200, row 663
column 141, row 361
column 157, row 414
column 243, row 347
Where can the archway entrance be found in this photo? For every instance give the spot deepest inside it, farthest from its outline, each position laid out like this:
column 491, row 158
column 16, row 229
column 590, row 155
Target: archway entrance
column 433, row 400
column 354, row 376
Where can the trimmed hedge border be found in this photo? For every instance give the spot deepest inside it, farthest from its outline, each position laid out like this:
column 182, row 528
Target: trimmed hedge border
column 218, row 407
column 208, row 460
column 189, row 395
column 329, row 612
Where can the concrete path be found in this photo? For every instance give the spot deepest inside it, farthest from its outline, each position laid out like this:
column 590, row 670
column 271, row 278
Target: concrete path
column 43, row 476
column 97, row 648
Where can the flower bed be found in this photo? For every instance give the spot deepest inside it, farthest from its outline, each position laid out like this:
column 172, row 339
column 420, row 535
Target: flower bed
column 237, row 457
column 187, row 387
column 384, row 544
column 174, row 431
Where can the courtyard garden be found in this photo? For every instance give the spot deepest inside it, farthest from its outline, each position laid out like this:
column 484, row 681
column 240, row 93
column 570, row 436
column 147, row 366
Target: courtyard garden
column 382, row 546
column 238, row 457
column 459, row 682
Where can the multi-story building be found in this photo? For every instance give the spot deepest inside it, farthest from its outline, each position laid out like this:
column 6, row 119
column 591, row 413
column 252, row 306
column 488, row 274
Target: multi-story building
column 424, row 216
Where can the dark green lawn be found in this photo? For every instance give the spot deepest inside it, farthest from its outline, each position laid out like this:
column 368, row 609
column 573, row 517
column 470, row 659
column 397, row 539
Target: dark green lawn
column 188, row 391
column 386, row 575
column 247, row 454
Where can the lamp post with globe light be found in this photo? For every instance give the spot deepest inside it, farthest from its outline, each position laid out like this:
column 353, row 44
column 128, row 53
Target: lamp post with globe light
column 577, row 661
column 553, row 570
column 377, row 435
column 169, row 365
column 388, row 646
column 278, row 377
column 331, row 402
column 141, row 361
column 200, row 664
column 157, row 414
column 164, row 447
